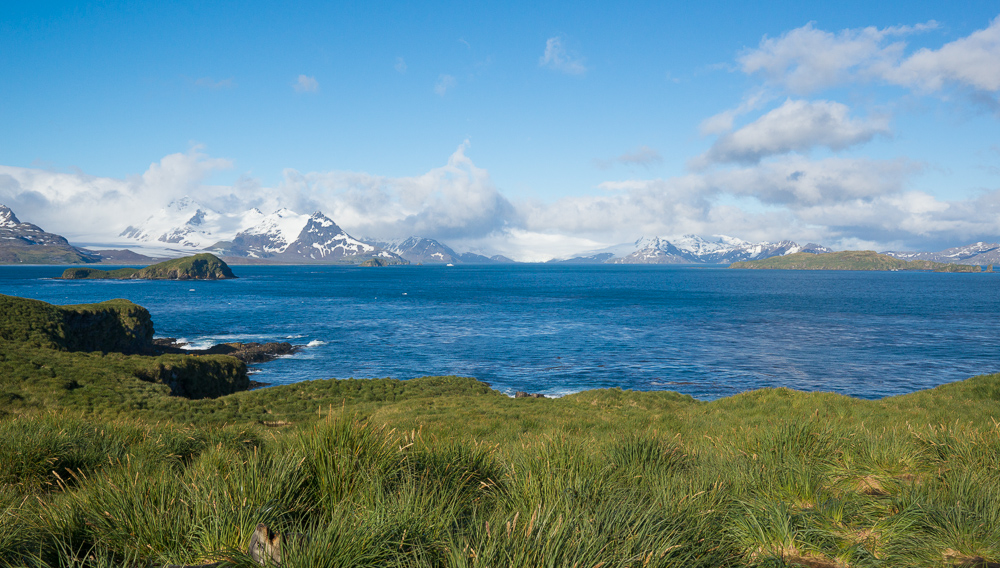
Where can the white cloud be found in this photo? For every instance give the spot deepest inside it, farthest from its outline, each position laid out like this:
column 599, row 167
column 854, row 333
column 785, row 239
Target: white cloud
column 807, row 59
column 796, row 182
column 723, row 121
column 94, row 208
column 834, row 201
column 558, row 59
column 306, row 84
column 400, row 65
column 457, row 200
column 972, row 61
column 444, row 84
column 795, row 126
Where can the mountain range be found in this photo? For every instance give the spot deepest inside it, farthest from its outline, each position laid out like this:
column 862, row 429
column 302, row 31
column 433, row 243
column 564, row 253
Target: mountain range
column 286, row 236
column 186, row 227
column 421, row 250
column 692, row 249
column 977, row 253
column 25, row 243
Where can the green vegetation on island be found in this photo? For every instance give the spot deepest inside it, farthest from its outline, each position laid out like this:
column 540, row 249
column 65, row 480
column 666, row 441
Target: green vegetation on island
column 850, row 260
column 203, row 266
column 101, row 466
column 43, row 254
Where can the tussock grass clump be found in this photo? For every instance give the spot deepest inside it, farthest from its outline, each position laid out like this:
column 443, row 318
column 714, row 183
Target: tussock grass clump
column 443, row 472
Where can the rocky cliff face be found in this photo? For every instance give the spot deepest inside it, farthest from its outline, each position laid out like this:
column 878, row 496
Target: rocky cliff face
column 116, row 326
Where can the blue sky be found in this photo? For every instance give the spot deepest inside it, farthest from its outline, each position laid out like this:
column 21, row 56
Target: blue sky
column 532, row 131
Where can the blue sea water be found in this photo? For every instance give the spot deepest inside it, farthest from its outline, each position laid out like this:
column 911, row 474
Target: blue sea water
column 704, row 331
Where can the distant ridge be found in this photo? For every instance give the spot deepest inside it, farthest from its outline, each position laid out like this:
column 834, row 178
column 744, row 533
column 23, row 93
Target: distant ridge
column 25, row 243
column 422, row 250
column 692, row 249
column 849, row 260
column 977, row 253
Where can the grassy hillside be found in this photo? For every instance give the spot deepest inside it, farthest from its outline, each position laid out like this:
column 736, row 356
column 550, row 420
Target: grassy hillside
column 445, row 472
column 42, row 254
column 88, row 358
column 100, row 465
column 203, row 266
column 850, row 260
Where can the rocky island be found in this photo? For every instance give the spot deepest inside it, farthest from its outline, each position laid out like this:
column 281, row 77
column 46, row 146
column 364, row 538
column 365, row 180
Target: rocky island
column 203, row 266
column 850, row 260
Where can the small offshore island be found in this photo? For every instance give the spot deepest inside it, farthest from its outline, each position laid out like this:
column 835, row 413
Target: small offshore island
column 445, row 471
column 203, row 266
column 851, row 260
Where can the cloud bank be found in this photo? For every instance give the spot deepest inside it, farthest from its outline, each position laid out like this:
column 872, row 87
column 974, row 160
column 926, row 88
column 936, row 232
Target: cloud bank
column 780, row 165
column 806, row 59
column 835, row 201
column 795, row 126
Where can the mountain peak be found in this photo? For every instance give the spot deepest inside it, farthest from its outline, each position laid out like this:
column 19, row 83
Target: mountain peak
column 7, row 217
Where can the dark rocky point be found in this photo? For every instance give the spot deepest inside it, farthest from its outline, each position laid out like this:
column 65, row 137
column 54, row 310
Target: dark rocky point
column 522, row 394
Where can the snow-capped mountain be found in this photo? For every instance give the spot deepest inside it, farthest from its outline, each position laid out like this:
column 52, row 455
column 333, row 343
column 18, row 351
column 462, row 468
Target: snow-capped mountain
column 421, row 250
column 692, row 249
column 187, row 224
column 977, row 253
column 418, row 250
column 28, row 243
column 287, row 236
column 599, row 258
column 12, row 229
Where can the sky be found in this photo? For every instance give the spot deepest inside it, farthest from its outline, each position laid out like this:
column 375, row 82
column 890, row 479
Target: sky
column 512, row 128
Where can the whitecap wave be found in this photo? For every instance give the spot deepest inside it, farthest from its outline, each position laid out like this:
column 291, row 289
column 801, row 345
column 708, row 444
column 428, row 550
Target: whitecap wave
column 200, row 343
column 315, row 343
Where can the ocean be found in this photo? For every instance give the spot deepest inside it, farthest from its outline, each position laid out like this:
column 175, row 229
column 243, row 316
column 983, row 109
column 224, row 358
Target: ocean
column 556, row 329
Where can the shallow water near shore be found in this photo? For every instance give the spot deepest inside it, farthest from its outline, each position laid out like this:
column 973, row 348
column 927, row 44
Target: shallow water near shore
column 705, row 331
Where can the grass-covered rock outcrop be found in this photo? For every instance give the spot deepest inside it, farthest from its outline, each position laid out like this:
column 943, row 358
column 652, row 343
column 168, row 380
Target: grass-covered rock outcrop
column 97, row 358
column 114, row 325
column 203, row 266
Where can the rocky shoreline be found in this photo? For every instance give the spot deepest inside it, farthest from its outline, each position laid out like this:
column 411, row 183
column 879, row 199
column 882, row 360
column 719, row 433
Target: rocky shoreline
column 249, row 353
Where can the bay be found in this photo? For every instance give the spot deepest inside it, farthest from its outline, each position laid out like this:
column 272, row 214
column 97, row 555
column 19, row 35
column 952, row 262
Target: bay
column 705, row 331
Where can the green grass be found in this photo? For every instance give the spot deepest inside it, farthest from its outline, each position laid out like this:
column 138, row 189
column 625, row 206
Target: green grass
column 445, row 472
column 103, row 464
column 114, row 325
column 850, row 260
column 81, row 273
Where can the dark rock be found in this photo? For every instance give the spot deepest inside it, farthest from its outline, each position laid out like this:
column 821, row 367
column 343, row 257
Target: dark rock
column 246, row 352
column 522, row 394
